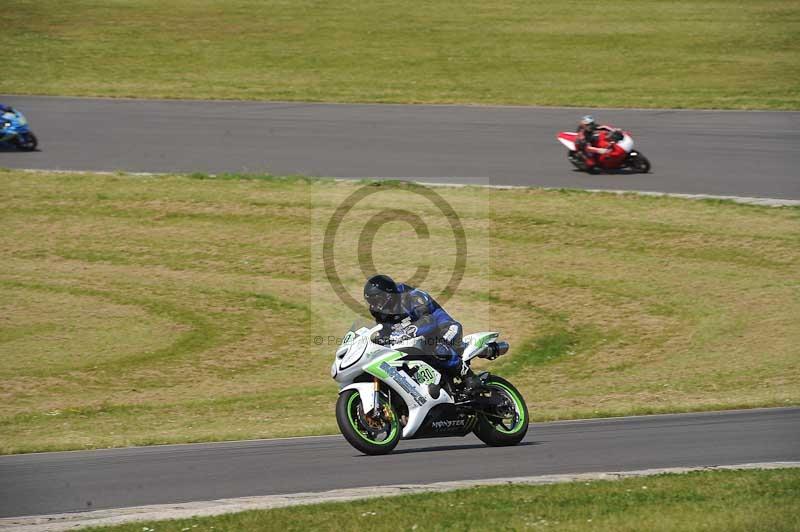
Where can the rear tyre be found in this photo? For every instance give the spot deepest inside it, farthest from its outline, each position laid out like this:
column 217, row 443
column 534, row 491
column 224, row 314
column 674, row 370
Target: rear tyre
column 26, row 142
column 510, row 424
column 639, row 164
column 575, row 160
column 367, row 434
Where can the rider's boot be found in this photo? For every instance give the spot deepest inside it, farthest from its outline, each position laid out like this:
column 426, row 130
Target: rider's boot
column 468, row 382
column 591, row 163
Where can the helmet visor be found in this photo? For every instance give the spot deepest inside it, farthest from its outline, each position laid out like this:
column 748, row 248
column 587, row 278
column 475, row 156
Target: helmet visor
column 380, row 301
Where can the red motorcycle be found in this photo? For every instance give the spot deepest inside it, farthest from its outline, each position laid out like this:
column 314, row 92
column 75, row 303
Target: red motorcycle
column 613, row 148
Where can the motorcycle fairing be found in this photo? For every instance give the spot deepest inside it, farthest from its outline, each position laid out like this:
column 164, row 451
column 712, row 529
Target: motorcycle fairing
column 424, row 374
column 446, row 420
column 12, row 124
column 388, row 368
column 567, row 139
column 626, row 143
column 477, row 343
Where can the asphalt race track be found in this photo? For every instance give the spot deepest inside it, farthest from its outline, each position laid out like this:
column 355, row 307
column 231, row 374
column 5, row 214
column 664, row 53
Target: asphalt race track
column 88, row 480
column 696, row 152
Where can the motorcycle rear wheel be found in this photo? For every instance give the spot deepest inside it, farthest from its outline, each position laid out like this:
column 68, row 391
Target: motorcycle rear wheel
column 573, row 158
column 495, row 430
column 355, row 427
column 26, row 142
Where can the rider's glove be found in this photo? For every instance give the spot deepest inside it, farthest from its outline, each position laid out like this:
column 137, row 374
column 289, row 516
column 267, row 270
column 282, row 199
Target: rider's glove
column 401, row 325
column 382, row 340
column 451, row 333
column 400, row 334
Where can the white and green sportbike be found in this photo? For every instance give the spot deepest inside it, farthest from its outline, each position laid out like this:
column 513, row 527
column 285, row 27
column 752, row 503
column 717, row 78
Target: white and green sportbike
column 389, row 392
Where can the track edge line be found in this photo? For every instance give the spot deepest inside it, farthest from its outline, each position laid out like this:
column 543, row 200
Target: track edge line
column 746, row 200
column 71, row 521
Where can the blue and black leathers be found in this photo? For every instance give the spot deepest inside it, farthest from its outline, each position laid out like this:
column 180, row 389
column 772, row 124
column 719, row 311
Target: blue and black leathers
column 416, row 313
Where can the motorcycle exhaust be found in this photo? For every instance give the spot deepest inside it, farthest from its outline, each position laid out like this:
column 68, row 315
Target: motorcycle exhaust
column 494, row 350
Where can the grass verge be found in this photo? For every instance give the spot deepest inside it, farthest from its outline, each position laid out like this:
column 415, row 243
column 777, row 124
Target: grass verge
column 138, row 310
column 640, row 53
column 727, row 501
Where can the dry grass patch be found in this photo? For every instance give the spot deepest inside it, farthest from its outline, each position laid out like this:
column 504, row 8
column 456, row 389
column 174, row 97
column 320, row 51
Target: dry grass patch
column 138, row 310
column 645, row 53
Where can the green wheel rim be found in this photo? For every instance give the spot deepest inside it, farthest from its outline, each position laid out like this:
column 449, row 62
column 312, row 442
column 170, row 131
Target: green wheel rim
column 518, row 405
column 354, row 423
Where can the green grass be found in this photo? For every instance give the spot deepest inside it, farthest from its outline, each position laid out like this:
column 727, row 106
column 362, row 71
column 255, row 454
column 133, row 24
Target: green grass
column 638, row 53
column 550, row 348
column 138, row 310
column 726, row 501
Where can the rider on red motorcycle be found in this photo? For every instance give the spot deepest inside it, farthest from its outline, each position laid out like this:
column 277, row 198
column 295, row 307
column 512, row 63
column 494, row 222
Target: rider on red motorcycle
column 596, row 143
column 586, row 141
column 594, row 148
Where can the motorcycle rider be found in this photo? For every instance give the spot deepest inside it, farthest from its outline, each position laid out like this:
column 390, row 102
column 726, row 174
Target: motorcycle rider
column 586, row 136
column 408, row 312
column 589, row 140
column 3, row 110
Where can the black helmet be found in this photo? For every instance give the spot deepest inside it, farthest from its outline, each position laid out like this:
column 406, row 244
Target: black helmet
column 380, row 292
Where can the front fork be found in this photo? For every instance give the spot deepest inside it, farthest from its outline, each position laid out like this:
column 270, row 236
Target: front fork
column 377, row 409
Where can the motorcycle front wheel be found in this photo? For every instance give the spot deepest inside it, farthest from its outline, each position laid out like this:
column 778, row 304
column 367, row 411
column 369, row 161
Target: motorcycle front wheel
column 368, row 434
column 509, row 424
column 26, row 142
column 639, row 163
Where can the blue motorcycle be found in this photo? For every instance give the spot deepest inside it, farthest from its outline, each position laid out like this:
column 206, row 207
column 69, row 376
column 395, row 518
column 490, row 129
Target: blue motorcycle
column 14, row 130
